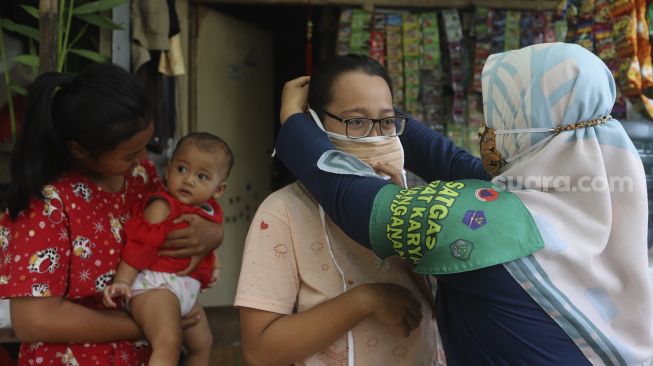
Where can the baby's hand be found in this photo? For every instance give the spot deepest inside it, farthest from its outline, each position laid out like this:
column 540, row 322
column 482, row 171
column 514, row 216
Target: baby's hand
column 215, row 275
column 115, row 290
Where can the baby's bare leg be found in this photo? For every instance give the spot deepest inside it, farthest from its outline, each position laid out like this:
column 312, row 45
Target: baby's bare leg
column 157, row 313
column 199, row 340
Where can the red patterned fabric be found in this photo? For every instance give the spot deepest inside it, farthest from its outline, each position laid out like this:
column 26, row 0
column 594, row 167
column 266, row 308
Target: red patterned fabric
column 145, row 239
column 68, row 245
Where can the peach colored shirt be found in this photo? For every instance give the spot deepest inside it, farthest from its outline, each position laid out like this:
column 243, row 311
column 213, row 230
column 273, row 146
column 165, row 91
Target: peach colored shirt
column 288, row 267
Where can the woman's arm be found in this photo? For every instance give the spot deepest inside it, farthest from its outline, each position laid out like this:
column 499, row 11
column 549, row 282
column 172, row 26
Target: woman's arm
column 55, row 320
column 276, row 339
column 432, row 156
column 195, row 241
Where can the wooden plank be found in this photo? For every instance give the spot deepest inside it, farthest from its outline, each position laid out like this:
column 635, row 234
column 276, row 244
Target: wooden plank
column 517, row 4
column 367, row 4
column 364, row 3
column 48, row 35
column 193, row 25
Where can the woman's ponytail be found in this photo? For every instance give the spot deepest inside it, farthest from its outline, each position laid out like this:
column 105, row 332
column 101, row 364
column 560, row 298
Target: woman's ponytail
column 40, row 154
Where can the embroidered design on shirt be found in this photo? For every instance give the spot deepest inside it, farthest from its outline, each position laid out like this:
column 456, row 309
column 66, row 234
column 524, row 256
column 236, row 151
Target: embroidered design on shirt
column 140, row 171
column 40, row 289
column 52, row 204
column 330, row 356
column 317, row 247
column 116, row 228
column 140, row 344
column 68, row 359
column 103, row 280
column 281, row 251
column 381, row 265
column 82, row 190
column 264, row 225
column 4, row 237
column 82, row 247
column 400, row 352
column 47, row 257
column 372, row 343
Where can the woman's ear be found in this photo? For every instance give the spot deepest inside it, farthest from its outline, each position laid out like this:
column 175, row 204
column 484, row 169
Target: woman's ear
column 78, row 151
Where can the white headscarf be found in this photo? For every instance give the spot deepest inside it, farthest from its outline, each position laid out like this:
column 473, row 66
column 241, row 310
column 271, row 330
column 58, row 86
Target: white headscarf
column 592, row 275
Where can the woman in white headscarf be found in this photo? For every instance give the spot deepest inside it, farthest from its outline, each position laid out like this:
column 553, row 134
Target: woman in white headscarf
column 548, row 263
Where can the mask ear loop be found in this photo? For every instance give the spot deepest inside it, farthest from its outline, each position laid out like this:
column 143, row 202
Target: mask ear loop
column 316, row 119
column 556, row 131
column 350, row 335
column 532, row 147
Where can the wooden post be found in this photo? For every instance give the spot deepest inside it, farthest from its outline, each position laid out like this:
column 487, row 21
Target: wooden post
column 194, row 19
column 48, row 12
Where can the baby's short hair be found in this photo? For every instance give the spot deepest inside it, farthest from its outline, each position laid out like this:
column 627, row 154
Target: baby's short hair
column 210, row 143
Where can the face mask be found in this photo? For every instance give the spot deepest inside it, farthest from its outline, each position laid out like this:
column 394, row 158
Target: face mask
column 368, row 149
column 491, row 158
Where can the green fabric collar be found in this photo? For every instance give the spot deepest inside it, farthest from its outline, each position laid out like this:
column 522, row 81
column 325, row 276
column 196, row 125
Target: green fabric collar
column 450, row 227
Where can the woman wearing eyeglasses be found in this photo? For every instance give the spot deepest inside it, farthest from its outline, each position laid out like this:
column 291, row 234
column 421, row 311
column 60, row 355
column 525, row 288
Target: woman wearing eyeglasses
column 308, row 294
column 546, row 265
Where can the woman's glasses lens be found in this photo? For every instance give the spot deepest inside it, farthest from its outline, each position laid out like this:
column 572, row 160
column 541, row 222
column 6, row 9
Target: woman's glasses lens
column 362, row 127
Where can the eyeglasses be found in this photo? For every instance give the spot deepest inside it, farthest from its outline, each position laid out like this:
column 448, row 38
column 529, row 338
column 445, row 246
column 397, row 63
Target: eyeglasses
column 359, row 127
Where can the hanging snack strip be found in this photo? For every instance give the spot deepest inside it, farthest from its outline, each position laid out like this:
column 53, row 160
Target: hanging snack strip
column 395, row 57
column 360, row 32
column 584, row 35
column 548, row 27
column 604, row 48
column 454, row 32
column 344, row 32
column 498, row 31
column 530, row 28
column 482, row 30
column 511, row 38
column 560, row 26
column 633, row 51
column 431, row 56
column 412, row 40
column 474, row 122
column 644, row 57
column 377, row 38
column 431, row 72
column 644, row 46
column 624, row 33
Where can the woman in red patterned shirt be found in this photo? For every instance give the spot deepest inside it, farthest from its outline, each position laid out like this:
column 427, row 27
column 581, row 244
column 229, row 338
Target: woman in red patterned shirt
column 77, row 168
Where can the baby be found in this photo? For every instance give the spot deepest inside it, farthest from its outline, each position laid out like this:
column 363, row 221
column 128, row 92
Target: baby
column 158, row 298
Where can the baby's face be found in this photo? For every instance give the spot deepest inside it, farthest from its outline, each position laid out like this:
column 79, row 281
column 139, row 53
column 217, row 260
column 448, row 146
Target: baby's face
column 194, row 175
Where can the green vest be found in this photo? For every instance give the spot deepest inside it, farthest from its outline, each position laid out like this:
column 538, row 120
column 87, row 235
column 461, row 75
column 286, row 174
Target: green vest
column 450, row 227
